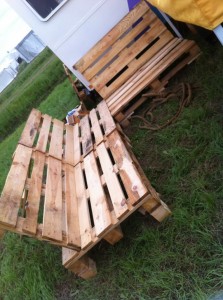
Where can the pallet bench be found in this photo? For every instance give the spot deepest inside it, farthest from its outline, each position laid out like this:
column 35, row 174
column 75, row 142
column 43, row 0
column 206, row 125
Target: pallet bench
column 74, row 185
column 138, row 53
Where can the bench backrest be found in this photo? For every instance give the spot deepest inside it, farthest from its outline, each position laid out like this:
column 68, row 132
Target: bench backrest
column 123, row 50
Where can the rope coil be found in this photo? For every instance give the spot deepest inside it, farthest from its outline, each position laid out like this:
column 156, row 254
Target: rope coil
column 182, row 93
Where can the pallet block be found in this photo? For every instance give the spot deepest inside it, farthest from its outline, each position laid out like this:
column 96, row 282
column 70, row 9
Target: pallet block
column 138, row 53
column 114, row 236
column 85, row 268
column 73, row 186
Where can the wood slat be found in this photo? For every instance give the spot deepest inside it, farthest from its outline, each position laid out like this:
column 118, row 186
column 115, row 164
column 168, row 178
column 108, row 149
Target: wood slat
column 87, row 144
column 120, row 44
column 100, row 210
column 112, row 35
column 69, row 145
column 31, row 128
column 38, row 236
column 34, row 194
column 127, row 55
column 14, row 186
column 150, row 73
column 137, row 64
column 96, row 127
column 117, row 196
column 52, row 218
column 44, row 134
column 132, row 181
column 56, row 143
column 83, row 210
column 72, row 220
column 77, row 145
column 193, row 53
column 145, row 72
column 107, row 121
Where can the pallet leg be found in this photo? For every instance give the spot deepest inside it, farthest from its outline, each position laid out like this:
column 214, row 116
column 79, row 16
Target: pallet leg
column 114, row 236
column 85, row 268
column 156, row 85
column 2, row 232
column 159, row 210
column 121, row 118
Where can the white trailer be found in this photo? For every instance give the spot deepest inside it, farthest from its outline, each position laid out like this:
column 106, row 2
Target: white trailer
column 71, row 27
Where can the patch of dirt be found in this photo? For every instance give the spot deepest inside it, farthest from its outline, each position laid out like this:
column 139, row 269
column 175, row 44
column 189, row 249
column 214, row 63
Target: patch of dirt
column 64, row 290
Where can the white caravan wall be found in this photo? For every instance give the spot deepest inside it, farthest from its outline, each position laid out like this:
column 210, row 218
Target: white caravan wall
column 75, row 27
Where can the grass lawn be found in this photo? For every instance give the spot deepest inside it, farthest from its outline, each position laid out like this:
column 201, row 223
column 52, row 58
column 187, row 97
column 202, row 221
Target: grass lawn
column 182, row 258
column 28, row 90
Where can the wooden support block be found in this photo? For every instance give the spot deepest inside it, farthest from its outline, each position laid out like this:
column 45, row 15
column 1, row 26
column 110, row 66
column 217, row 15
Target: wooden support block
column 142, row 211
column 156, row 85
column 161, row 212
column 114, row 236
column 2, row 232
column 150, row 205
column 85, row 268
column 158, row 210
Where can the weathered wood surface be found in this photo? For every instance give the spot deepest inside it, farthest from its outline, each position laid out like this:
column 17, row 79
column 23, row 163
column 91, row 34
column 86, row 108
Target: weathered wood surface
column 139, row 52
column 71, row 192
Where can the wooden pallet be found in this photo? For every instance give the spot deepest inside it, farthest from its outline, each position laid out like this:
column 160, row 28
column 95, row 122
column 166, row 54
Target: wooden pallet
column 74, row 185
column 138, row 53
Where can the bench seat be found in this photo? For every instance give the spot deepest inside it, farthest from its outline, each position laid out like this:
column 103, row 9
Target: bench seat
column 74, row 185
column 139, row 52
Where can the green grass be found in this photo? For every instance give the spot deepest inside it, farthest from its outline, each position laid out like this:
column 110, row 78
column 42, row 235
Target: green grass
column 57, row 104
column 26, row 75
column 16, row 108
column 26, row 269
column 181, row 258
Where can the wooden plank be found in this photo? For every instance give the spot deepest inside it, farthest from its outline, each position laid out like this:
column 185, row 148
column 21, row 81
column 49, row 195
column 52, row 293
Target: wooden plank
column 38, row 236
column 83, row 210
column 34, row 194
column 136, row 64
column 31, row 128
column 193, row 53
column 100, row 210
column 96, row 127
column 97, row 239
column 120, row 44
column 69, row 145
column 73, row 231
column 117, row 196
column 142, row 78
column 131, row 178
column 158, row 67
column 107, row 121
column 56, row 143
column 77, row 145
column 44, row 134
column 112, row 35
column 14, row 186
column 127, row 55
column 52, row 218
column 87, row 144
column 160, row 50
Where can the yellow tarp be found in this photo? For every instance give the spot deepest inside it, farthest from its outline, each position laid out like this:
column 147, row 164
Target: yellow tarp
column 204, row 13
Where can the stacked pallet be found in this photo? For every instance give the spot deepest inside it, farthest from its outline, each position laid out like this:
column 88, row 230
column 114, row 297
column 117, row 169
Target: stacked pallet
column 138, row 53
column 74, row 185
